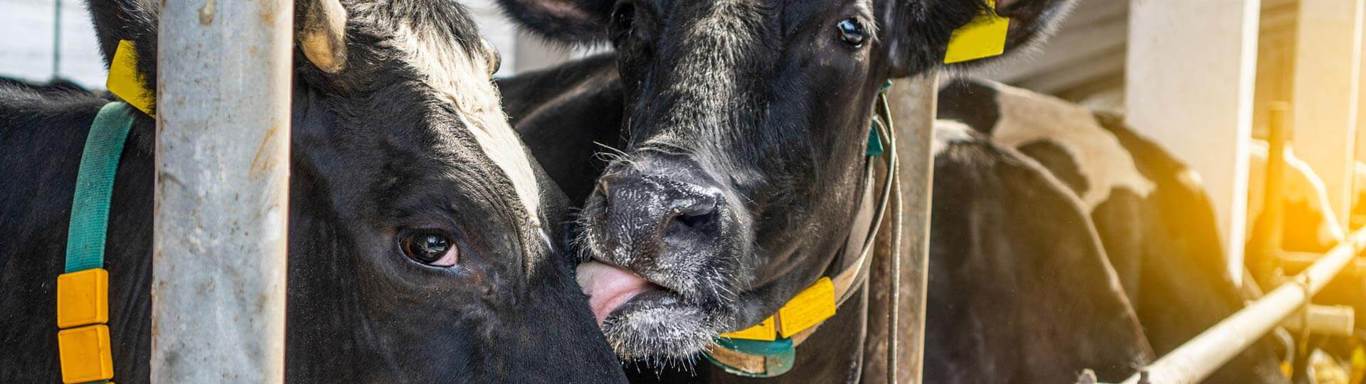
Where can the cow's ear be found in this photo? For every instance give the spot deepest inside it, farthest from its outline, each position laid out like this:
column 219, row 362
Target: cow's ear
column 964, row 33
column 568, row 21
column 134, row 21
column 320, row 28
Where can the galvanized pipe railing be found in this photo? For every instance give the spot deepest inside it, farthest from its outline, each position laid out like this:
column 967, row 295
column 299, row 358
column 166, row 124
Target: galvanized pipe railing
column 1199, row 357
column 222, row 191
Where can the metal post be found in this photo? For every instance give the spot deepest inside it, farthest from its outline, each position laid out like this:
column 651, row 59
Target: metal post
column 222, row 163
column 56, row 39
column 1197, row 358
column 913, row 104
column 1220, row 38
column 1269, row 226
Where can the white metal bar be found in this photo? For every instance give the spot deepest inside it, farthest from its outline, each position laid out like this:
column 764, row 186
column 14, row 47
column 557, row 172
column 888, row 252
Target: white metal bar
column 1327, row 77
column 1326, row 320
column 1191, row 66
column 218, row 291
column 1200, row 356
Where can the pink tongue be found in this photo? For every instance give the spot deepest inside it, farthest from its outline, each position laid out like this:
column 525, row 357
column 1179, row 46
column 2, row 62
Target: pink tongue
column 608, row 287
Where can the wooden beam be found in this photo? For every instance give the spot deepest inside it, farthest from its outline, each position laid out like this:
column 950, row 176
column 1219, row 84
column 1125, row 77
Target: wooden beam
column 913, row 108
column 1327, row 83
column 1190, row 72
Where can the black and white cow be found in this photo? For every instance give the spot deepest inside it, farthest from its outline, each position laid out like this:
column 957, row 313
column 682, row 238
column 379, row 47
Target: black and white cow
column 1150, row 210
column 746, row 125
column 1020, row 289
column 418, row 226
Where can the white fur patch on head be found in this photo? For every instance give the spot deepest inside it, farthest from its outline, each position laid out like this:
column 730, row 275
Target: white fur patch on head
column 1028, row 117
column 464, row 81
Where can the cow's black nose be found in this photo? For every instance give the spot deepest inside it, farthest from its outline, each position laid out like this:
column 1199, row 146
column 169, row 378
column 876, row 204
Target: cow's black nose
column 660, row 211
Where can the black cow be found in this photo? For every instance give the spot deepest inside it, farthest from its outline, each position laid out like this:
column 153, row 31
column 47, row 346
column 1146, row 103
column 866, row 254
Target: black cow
column 418, row 229
column 747, row 123
column 1020, row 289
column 1152, row 214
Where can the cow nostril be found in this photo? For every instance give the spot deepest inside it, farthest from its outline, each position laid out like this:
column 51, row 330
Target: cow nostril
column 698, row 222
column 697, row 219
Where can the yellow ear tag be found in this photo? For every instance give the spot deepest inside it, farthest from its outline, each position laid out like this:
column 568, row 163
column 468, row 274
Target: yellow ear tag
column 983, row 37
column 123, row 78
column 764, row 331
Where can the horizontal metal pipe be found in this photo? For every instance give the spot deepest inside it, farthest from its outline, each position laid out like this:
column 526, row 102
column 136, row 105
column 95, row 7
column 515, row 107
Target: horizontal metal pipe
column 1327, row 320
column 1193, row 361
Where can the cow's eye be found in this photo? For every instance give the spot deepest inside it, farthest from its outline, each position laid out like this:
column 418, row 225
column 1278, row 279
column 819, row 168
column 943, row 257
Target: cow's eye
column 851, row 32
column 623, row 17
column 429, row 246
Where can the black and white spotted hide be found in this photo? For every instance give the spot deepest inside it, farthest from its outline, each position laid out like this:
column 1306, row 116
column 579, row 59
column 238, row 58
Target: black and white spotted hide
column 1154, row 219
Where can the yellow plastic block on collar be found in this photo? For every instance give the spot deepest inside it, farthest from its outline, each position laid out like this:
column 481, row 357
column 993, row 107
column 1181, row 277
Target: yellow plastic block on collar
column 124, row 80
column 808, row 308
column 83, row 298
column 85, row 354
column 764, row 331
column 983, row 37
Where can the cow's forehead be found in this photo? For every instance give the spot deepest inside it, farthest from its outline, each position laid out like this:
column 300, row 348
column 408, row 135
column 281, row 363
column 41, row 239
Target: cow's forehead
column 452, row 63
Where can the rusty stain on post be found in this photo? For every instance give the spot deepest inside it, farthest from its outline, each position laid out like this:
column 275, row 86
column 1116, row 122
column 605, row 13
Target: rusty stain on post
column 206, row 13
column 222, row 179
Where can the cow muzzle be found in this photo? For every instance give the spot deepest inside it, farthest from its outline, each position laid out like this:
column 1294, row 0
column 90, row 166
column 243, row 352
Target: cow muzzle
column 660, row 211
column 666, row 243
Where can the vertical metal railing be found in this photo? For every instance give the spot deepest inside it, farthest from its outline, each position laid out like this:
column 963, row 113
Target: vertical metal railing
column 222, row 179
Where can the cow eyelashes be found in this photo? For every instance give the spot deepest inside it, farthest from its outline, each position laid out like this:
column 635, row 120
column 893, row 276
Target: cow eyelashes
column 432, row 247
column 852, row 32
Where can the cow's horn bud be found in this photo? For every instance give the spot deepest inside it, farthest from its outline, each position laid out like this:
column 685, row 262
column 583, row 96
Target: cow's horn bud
column 323, row 34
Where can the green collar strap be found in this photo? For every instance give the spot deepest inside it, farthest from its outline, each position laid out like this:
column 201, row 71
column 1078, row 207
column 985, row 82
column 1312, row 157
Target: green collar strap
column 94, row 185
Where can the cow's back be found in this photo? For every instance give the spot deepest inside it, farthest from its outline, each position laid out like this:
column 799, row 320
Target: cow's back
column 1020, row 290
column 42, row 133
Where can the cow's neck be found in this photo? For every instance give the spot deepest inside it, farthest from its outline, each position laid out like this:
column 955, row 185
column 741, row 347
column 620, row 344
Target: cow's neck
column 834, row 350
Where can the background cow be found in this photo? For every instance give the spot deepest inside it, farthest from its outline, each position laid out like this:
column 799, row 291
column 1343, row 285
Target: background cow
column 418, row 227
column 1152, row 214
